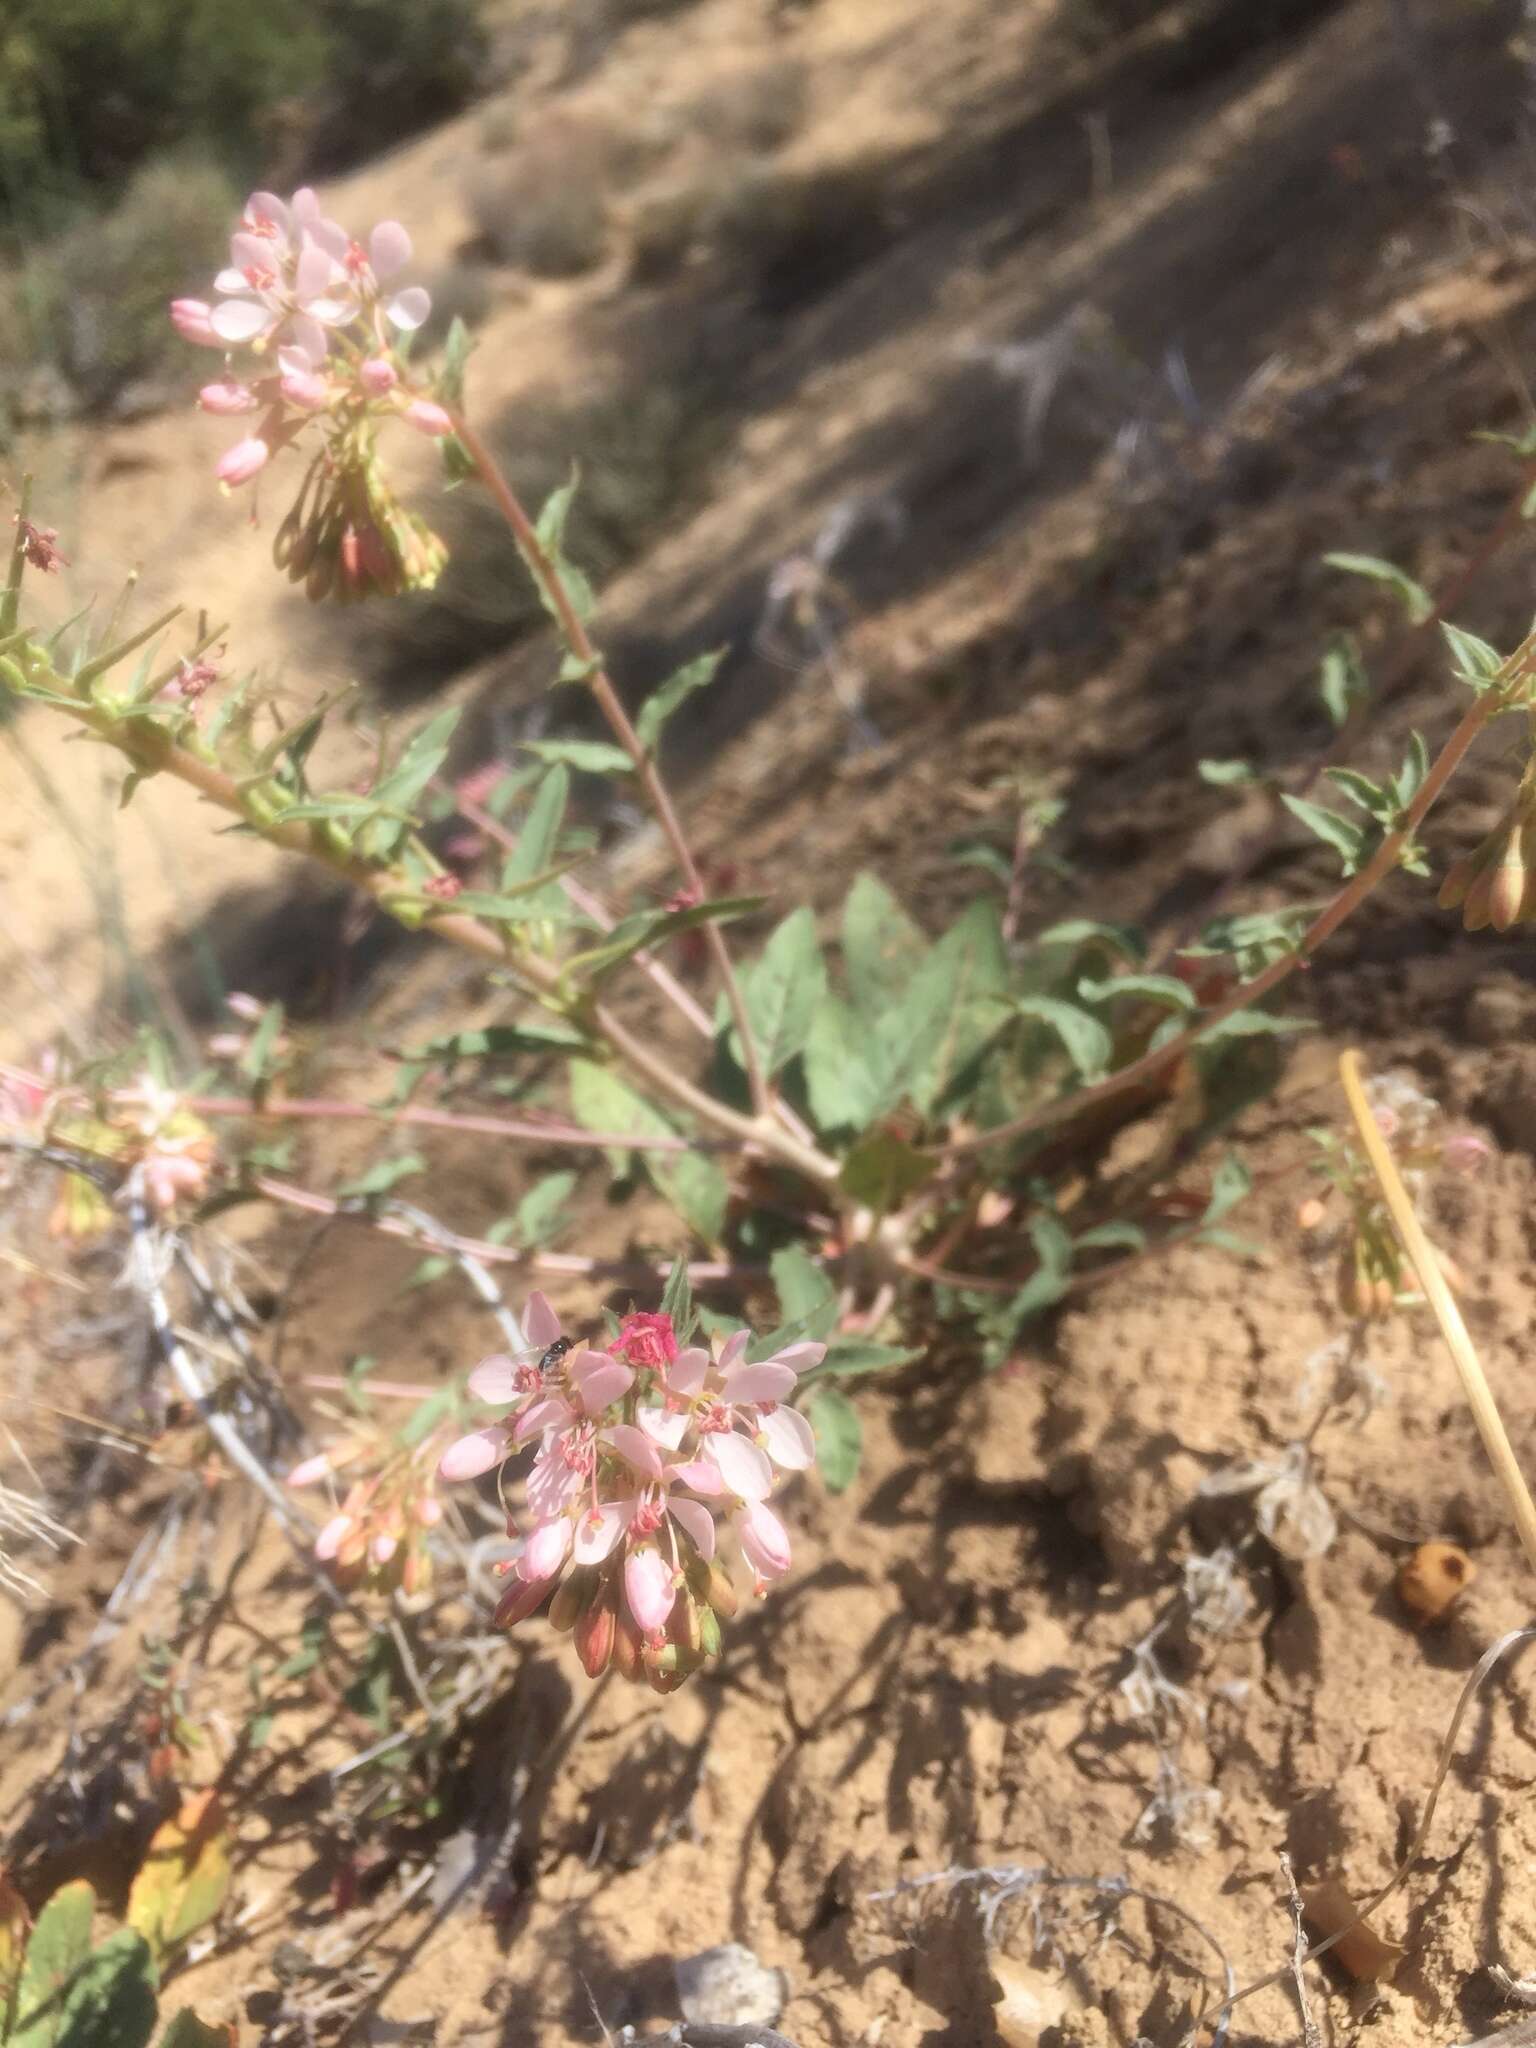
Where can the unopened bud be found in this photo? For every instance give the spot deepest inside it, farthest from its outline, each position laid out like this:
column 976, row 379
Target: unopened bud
column 520, row 1600
column 1459, row 877
column 1506, row 891
column 571, row 1597
column 627, row 1647
column 1310, row 1213
column 711, row 1639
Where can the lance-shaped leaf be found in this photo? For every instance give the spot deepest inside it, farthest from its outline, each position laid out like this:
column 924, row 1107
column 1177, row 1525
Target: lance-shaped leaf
column 646, row 928
column 1164, row 989
column 592, row 757
column 540, row 835
column 399, row 790
column 1088, row 1045
column 185, row 1876
column 845, row 1090
column 663, row 701
column 552, row 522
column 1475, row 661
column 1416, row 600
column 1347, row 839
column 1342, row 682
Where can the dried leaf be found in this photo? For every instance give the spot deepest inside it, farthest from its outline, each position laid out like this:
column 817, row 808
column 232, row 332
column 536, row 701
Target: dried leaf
column 1368, row 1956
column 185, row 1876
column 15, row 1922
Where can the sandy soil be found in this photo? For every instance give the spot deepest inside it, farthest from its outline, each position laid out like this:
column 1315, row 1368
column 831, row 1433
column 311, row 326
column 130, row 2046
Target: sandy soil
column 939, row 1684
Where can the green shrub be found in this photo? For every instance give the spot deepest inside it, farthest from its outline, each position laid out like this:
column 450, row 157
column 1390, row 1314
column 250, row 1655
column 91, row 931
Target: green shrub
column 89, row 306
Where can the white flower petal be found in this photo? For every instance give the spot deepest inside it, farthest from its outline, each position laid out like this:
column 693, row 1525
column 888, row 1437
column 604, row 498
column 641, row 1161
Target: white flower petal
column 769, row 1381
column 237, row 320
column 494, row 1379
column 635, row 1448
column 540, row 1323
column 600, row 1529
column 663, row 1427
column 733, row 1347
column 408, row 309
column 472, row 1455
column 788, row 1439
column 744, row 1468
column 694, row 1518
column 389, row 248
column 685, row 1375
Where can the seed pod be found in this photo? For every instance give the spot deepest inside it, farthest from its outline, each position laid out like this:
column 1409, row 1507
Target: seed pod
column 1506, row 891
column 1459, row 877
column 627, row 1647
column 1431, row 1581
column 711, row 1639
column 571, row 1597
column 1350, row 1285
column 1385, row 1296
column 683, row 1624
column 594, row 1635
column 722, row 1594
column 519, row 1601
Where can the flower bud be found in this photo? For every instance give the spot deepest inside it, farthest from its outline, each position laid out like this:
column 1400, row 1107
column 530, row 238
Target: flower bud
column 521, row 1599
column 191, row 319
column 722, row 1594
column 1310, row 1213
column 305, row 389
column 626, row 1647
column 1459, row 877
column 1475, row 905
column 378, row 376
column 227, row 397
column 571, row 1597
column 428, row 418
column 239, row 464
column 711, row 1638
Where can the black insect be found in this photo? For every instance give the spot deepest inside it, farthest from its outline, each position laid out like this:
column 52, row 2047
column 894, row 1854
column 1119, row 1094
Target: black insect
column 550, row 1362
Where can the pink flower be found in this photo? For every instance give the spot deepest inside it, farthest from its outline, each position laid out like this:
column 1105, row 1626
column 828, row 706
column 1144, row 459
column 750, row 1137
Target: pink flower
column 300, row 383
column 239, row 464
column 647, row 1341
column 1466, row 1153
column 378, row 376
column 169, row 1174
column 227, row 397
column 193, row 322
column 428, row 418
column 650, row 1590
column 763, row 1541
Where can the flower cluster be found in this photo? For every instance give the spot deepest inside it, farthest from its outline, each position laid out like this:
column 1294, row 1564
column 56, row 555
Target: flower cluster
column 378, row 1536
column 312, row 305
column 637, row 1448
column 1373, row 1276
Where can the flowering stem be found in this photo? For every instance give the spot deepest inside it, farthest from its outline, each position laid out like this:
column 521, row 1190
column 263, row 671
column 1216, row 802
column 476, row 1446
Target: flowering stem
column 450, row 1243
column 279, row 1108
column 152, row 750
column 1354, row 892
column 547, row 572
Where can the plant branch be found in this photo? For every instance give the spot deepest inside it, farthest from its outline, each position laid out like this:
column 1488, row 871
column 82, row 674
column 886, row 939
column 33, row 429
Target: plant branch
column 1345, row 903
column 547, row 573
column 279, row 1108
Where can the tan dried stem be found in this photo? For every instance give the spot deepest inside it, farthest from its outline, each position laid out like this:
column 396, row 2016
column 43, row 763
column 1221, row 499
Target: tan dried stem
column 1474, row 1382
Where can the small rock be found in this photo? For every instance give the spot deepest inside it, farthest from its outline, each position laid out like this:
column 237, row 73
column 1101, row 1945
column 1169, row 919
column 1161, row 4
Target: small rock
column 728, row 1986
column 1431, row 1581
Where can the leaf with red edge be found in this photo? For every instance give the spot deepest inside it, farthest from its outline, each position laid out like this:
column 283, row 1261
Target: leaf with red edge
column 185, row 1876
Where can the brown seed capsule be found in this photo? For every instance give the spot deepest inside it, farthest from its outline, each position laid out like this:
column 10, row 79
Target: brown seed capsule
column 519, row 1601
column 593, row 1635
column 722, row 1594
column 1506, row 892
column 1459, row 877
column 571, row 1597
column 627, row 1648
column 1431, row 1581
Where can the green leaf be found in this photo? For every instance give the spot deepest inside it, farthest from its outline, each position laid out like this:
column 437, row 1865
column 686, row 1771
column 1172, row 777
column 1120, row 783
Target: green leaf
column 1409, row 779
column 1228, row 774
column 1475, row 661
column 592, row 757
column 663, row 701
column 677, row 1300
column 1371, row 797
column 378, row 1180
column 537, row 842
column 1230, row 1184
column 1230, row 1241
column 645, row 928
column 1345, row 838
column 955, row 1005
column 404, row 783
column 839, row 1437
column 883, row 1169
column 856, row 1357
column 693, row 1182
column 538, row 1036
column 977, row 853
column 1342, row 683
column 256, row 1060
column 881, row 946
column 426, row 1416
column 1088, row 1045
column 1254, row 1024
column 804, row 1290
column 782, row 989
column 844, row 1089
column 540, row 1212
column 112, row 2000
column 56, row 1954
column 551, row 531
column 1166, row 989
column 1107, row 1237
column 1416, row 600
column 1077, row 932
